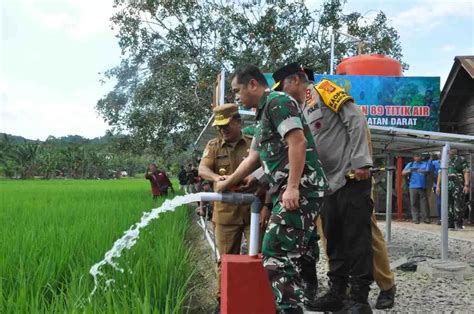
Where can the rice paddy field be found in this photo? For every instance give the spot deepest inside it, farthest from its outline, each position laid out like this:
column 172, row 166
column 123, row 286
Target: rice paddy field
column 52, row 232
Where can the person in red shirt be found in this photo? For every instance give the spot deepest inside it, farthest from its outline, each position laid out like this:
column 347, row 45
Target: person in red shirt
column 160, row 183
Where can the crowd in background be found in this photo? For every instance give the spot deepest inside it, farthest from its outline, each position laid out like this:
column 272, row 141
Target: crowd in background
column 417, row 172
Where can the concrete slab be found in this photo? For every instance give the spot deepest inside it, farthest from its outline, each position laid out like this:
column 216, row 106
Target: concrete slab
column 467, row 234
column 398, row 263
column 437, row 268
column 397, row 249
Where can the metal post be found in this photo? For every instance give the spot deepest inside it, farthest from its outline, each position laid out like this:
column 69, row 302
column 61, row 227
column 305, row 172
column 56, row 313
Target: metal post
column 444, row 201
column 388, row 210
column 222, row 88
column 331, row 67
column 210, row 239
column 471, row 187
column 399, row 188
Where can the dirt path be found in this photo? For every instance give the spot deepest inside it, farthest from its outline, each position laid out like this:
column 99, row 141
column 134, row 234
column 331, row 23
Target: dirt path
column 204, row 284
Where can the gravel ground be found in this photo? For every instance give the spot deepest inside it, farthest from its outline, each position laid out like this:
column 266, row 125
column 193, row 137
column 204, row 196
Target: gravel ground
column 418, row 293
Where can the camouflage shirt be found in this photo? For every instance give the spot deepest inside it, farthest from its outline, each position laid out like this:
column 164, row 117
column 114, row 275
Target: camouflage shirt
column 277, row 114
column 456, row 167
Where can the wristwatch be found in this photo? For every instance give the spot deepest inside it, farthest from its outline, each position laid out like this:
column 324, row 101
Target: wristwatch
column 269, row 205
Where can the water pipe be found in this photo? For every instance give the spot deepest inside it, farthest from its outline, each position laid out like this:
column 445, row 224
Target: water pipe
column 241, row 198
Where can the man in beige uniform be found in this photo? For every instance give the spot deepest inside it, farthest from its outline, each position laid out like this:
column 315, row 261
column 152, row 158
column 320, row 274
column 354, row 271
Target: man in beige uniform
column 221, row 157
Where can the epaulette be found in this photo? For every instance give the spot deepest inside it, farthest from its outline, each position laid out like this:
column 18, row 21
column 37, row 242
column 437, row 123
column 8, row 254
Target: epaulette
column 248, row 136
column 214, row 141
column 332, row 95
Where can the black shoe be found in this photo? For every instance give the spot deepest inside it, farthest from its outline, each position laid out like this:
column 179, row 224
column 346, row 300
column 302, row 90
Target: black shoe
column 310, row 290
column 426, row 221
column 291, row 310
column 354, row 307
column 330, row 302
column 386, row 298
column 450, row 224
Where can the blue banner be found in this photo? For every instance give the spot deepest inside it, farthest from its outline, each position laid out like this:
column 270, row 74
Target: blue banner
column 396, row 101
column 402, row 102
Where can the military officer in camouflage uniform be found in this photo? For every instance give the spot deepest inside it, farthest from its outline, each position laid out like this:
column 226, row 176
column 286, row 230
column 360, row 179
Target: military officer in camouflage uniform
column 458, row 185
column 284, row 146
column 342, row 140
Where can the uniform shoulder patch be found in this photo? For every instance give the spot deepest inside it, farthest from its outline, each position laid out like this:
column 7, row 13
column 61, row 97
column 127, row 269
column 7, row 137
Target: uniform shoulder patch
column 205, row 153
column 333, row 96
column 210, row 146
column 312, row 96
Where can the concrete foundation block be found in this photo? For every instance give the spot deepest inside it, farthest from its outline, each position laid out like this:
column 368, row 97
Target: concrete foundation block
column 445, row 269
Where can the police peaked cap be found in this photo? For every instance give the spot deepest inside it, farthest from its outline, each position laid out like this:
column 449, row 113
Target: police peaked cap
column 288, row 70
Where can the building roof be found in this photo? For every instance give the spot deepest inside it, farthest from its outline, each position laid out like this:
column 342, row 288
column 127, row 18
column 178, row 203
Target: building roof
column 457, row 91
column 385, row 140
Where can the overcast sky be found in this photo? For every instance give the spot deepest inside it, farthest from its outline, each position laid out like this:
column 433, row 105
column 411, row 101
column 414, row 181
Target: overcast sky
column 51, row 53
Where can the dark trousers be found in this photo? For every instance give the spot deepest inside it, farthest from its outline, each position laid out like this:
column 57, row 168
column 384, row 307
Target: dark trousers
column 346, row 222
column 419, row 205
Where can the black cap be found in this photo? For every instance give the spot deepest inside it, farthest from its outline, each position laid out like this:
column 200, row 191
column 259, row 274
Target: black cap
column 287, row 70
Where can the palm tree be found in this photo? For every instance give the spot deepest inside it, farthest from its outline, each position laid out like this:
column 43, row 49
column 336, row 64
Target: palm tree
column 48, row 163
column 25, row 158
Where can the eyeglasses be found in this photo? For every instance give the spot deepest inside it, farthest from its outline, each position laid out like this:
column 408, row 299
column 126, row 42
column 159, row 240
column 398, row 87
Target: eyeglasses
column 221, row 127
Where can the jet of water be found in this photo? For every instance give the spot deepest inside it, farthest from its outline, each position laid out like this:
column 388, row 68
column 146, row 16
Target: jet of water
column 130, row 237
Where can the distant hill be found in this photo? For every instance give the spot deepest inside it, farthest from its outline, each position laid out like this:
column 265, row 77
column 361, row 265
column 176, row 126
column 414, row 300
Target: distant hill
column 14, row 139
column 70, row 139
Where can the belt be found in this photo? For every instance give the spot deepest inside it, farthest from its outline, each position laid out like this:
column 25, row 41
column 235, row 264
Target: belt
column 351, row 175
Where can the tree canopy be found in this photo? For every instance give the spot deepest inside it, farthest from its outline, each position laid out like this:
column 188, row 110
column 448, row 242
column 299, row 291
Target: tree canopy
column 173, row 50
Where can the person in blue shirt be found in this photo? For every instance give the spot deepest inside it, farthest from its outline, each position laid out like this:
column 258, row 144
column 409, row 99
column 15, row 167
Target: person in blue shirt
column 417, row 171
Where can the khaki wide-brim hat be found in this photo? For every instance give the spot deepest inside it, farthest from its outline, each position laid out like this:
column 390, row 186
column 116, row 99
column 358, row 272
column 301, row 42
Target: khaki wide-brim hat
column 223, row 114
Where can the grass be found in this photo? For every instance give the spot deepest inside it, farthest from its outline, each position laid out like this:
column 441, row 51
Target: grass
column 52, row 232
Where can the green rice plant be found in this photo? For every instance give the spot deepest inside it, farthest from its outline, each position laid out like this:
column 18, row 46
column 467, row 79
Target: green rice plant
column 54, row 231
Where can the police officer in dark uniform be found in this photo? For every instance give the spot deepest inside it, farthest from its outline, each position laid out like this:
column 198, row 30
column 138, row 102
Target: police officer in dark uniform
column 342, row 142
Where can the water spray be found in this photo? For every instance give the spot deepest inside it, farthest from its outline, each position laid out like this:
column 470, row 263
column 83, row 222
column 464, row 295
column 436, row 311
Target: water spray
column 130, row 237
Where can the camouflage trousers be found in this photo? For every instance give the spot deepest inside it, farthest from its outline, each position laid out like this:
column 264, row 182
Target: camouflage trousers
column 455, row 204
column 287, row 251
